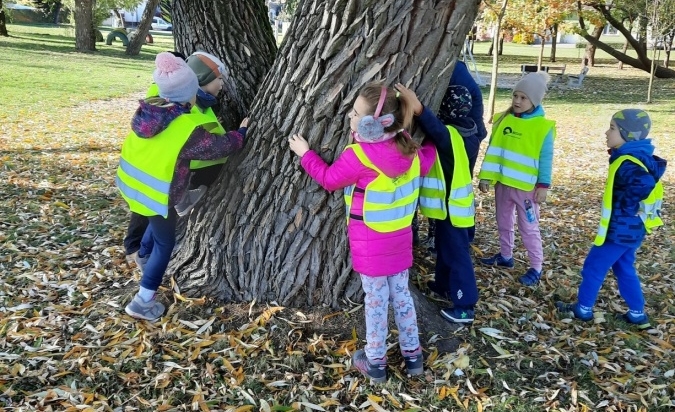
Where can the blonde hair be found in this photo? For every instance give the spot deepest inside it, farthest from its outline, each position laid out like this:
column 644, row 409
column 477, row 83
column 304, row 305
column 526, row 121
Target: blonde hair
column 399, row 106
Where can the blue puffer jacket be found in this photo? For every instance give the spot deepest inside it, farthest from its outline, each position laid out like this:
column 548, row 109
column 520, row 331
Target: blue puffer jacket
column 632, row 184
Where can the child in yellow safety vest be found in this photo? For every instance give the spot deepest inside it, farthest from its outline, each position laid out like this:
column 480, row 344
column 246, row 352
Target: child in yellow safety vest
column 519, row 162
column 630, row 208
column 154, row 168
column 380, row 176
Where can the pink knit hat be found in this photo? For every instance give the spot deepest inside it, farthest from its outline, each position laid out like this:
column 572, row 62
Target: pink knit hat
column 176, row 81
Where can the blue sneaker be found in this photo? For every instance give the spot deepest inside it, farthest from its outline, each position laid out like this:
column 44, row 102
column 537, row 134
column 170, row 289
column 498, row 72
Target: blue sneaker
column 498, row 260
column 414, row 361
column 638, row 319
column 376, row 372
column 458, row 315
column 531, row 277
column 574, row 310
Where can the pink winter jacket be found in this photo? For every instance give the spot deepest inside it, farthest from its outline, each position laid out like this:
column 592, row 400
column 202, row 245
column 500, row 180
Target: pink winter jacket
column 373, row 253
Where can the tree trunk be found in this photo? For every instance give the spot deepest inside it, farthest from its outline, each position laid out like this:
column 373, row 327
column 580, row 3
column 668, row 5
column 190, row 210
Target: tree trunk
column 624, row 49
column 492, row 43
column 589, row 53
column 554, row 41
column 137, row 37
column 501, row 46
column 236, row 31
column 119, row 17
column 495, row 65
column 3, row 21
column 267, row 231
column 57, row 12
column 85, row 38
column 540, row 59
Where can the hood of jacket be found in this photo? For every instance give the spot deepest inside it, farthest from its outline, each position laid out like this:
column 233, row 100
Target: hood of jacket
column 465, row 126
column 150, row 120
column 643, row 150
column 387, row 158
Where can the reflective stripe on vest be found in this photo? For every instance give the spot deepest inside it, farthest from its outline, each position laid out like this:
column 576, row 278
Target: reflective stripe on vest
column 460, row 206
column 388, row 203
column 650, row 208
column 513, row 155
column 147, row 165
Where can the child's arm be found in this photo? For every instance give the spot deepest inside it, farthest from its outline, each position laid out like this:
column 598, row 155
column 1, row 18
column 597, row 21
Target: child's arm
column 545, row 168
column 343, row 172
column 202, row 145
column 433, row 128
column 636, row 182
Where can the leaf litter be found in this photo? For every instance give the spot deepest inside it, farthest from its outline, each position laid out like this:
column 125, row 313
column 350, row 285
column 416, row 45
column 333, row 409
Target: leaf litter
column 66, row 344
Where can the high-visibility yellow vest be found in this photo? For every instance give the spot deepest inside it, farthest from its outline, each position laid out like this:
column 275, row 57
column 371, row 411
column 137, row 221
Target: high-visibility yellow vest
column 513, row 155
column 460, row 204
column 213, row 127
column 147, row 166
column 388, row 203
column 650, row 208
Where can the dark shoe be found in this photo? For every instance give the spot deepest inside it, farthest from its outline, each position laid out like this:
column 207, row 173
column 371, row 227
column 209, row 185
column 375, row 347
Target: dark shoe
column 574, row 310
column 458, row 315
column 376, row 372
column 641, row 320
column 433, row 286
column 414, row 361
column 531, row 277
column 498, row 260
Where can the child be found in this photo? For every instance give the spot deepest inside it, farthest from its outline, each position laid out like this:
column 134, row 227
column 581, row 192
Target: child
column 518, row 161
column 630, row 208
column 455, row 278
column 155, row 167
column 382, row 163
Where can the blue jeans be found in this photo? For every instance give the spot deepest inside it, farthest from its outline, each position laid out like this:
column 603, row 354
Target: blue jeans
column 158, row 242
column 621, row 259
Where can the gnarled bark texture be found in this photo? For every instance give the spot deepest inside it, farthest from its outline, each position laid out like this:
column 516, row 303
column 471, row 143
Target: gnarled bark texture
column 267, row 231
column 238, row 33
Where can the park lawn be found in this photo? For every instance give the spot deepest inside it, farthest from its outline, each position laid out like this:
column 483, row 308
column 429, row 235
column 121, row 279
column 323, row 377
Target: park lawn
column 66, row 344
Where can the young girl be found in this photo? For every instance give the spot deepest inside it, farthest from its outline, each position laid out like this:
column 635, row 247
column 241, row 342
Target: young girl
column 631, row 208
column 155, row 167
column 380, row 174
column 518, row 161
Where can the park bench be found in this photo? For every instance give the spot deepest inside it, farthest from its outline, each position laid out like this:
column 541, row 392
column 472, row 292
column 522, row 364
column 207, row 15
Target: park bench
column 556, row 71
column 576, row 81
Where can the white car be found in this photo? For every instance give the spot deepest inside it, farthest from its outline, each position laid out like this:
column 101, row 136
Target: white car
column 159, row 24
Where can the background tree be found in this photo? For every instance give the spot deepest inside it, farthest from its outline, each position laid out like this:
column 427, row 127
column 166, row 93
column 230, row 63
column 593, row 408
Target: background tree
column 50, row 7
column 137, row 37
column 85, row 38
column 236, row 31
column 268, row 232
column 3, row 21
column 614, row 13
column 661, row 14
column 496, row 15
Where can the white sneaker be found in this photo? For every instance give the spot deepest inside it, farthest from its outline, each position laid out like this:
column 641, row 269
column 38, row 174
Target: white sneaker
column 189, row 200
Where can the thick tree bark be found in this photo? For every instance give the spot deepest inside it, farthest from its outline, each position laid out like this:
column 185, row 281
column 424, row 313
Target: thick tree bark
column 85, row 38
column 267, row 231
column 237, row 32
column 642, row 61
column 589, row 54
column 137, row 37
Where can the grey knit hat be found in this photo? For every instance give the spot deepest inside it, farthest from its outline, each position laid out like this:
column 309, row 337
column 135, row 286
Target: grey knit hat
column 634, row 124
column 177, row 83
column 533, row 85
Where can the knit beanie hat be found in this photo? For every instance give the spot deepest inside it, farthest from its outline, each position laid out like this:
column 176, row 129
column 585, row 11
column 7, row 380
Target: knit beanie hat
column 176, row 82
column 533, row 85
column 634, row 124
column 456, row 103
column 206, row 66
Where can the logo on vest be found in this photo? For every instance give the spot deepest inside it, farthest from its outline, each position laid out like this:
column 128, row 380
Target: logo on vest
column 508, row 131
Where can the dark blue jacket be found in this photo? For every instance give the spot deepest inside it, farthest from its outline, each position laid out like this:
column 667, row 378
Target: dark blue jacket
column 461, row 76
column 632, row 184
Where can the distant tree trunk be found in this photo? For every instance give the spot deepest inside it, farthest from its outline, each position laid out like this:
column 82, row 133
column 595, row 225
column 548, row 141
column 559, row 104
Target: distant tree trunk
column 137, row 37
column 492, row 43
column 495, row 66
column 624, row 49
column 3, row 21
column 237, row 32
column 554, row 41
column 540, row 59
column 57, row 11
column 85, row 38
column 667, row 47
column 589, row 54
column 267, row 231
column 119, row 17
column 501, row 46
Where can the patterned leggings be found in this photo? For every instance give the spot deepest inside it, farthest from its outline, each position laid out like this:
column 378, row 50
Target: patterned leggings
column 380, row 291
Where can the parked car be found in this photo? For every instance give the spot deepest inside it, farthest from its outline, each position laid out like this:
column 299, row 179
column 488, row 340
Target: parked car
column 160, row 24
